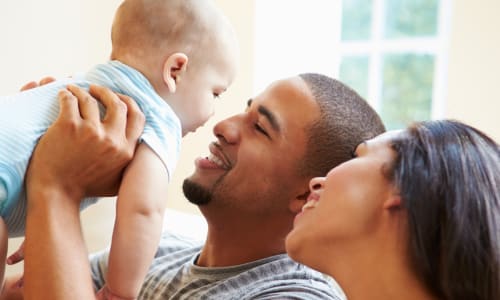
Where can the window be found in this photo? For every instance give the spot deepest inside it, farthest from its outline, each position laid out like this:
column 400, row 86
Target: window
column 392, row 52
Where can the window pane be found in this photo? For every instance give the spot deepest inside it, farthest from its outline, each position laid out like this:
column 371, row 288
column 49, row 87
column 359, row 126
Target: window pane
column 406, row 89
column 354, row 73
column 356, row 19
column 411, row 18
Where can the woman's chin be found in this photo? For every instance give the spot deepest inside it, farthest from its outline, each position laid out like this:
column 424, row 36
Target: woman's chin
column 294, row 244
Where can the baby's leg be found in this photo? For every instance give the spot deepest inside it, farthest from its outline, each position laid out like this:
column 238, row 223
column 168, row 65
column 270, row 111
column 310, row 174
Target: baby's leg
column 4, row 239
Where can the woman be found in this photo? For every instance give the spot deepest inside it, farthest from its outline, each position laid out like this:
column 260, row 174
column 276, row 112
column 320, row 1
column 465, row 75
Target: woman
column 415, row 215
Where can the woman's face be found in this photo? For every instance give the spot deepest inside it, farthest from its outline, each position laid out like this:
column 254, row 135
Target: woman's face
column 345, row 209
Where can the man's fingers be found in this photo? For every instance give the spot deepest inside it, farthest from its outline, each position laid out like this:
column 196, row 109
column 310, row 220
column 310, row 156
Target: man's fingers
column 89, row 109
column 29, row 86
column 135, row 119
column 15, row 257
column 116, row 110
column 47, row 80
column 68, row 106
column 34, row 84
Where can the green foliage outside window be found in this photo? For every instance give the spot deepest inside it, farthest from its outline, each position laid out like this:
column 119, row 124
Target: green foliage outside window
column 407, row 89
column 356, row 19
column 405, row 78
column 354, row 73
column 410, row 18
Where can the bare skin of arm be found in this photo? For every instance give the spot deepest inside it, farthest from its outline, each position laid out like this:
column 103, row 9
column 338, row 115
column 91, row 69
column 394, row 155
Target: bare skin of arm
column 138, row 225
column 63, row 170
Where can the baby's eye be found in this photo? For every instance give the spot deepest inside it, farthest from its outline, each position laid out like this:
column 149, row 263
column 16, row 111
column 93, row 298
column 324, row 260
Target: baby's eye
column 216, row 95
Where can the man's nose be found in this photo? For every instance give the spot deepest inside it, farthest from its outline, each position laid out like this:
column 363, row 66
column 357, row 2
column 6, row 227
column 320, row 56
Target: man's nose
column 228, row 130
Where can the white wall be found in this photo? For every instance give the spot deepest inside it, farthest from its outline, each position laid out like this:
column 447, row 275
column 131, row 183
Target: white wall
column 287, row 46
column 474, row 65
column 58, row 38
column 61, row 37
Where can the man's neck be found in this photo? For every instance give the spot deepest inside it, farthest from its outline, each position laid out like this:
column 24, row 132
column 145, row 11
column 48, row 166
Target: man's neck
column 231, row 244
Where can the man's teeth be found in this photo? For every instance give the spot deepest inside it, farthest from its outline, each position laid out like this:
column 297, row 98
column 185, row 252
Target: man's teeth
column 216, row 160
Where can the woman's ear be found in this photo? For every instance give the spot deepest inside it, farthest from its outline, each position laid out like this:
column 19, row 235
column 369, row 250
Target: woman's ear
column 175, row 66
column 295, row 206
column 393, row 201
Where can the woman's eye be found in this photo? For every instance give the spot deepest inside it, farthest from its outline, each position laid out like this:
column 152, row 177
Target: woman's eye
column 353, row 153
column 260, row 129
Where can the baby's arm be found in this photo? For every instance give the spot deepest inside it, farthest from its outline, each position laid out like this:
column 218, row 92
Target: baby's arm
column 138, row 225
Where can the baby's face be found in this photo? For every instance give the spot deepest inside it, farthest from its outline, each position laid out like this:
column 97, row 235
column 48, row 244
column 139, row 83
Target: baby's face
column 198, row 90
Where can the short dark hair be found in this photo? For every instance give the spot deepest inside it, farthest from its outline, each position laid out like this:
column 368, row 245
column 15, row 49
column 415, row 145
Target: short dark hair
column 346, row 120
column 448, row 176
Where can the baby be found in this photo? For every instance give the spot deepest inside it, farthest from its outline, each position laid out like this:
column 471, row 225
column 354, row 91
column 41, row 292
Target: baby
column 174, row 57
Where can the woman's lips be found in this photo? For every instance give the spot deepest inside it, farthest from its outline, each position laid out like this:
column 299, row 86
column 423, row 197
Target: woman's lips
column 312, row 201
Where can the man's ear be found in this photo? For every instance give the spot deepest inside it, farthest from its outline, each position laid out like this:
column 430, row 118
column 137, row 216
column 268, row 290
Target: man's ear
column 175, row 65
column 296, row 204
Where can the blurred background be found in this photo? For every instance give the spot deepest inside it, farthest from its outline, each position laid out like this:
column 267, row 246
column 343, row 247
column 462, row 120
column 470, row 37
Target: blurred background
column 411, row 59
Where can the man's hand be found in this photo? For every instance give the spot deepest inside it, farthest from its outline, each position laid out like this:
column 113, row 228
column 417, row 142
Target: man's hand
column 12, row 289
column 17, row 256
column 79, row 155
column 33, row 84
column 94, row 153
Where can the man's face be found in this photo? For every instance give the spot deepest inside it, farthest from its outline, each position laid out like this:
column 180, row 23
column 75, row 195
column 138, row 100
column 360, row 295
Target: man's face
column 253, row 164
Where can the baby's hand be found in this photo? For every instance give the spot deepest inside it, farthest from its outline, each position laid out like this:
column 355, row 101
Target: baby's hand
column 17, row 256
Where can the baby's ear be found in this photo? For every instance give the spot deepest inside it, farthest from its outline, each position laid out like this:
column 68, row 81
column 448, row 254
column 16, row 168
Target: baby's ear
column 173, row 68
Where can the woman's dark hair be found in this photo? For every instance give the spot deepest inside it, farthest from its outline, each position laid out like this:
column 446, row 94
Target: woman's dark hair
column 448, row 175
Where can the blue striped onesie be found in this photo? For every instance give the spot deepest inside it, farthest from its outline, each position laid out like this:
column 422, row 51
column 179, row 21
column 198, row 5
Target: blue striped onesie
column 25, row 116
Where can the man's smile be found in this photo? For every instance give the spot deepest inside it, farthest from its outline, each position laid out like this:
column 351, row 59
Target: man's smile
column 215, row 160
column 218, row 156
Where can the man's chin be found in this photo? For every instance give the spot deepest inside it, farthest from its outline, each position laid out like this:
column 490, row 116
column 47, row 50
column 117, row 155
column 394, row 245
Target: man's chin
column 196, row 193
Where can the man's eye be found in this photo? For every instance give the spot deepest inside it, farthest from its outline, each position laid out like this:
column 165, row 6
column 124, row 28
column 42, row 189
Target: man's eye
column 260, row 129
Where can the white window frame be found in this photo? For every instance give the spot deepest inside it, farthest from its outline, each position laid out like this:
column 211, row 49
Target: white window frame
column 377, row 46
column 304, row 16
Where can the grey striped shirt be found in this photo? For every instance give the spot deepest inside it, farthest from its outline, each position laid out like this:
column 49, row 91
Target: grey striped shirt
column 173, row 275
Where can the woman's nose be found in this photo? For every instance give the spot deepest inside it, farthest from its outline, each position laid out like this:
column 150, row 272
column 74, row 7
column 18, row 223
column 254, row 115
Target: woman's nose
column 316, row 183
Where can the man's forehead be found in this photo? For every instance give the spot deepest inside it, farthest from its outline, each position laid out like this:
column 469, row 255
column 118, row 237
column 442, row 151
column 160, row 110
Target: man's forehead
column 290, row 100
column 293, row 91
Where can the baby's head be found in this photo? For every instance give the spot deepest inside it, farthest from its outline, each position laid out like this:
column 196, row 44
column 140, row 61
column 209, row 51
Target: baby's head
column 187, row 49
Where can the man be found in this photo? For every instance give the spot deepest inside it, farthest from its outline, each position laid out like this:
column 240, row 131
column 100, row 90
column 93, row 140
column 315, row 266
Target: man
column 249, row 189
